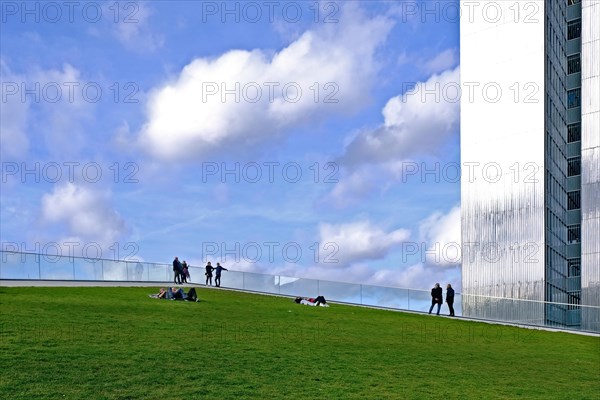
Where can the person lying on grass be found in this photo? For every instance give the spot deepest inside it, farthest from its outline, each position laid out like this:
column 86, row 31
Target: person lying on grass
column 173, row 293
column 309, row 301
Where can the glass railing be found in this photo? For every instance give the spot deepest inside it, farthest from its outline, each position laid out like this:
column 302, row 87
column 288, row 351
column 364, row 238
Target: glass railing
column 31, row 266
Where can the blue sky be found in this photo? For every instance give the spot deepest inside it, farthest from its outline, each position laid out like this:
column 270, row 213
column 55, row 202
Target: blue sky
column 275, row 137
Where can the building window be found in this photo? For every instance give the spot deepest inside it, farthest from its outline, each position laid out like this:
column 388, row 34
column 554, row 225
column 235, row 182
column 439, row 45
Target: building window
column 574, row 166
column 574, row 300
column 574, row 200
column 574, row 267
column 574, row 29
column 574, row 132
column 574, row 98
column 574, row 64
column 574, row 234
column 573, row 2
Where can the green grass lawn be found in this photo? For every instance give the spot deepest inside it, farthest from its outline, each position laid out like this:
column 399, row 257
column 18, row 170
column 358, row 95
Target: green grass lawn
column 117, row 343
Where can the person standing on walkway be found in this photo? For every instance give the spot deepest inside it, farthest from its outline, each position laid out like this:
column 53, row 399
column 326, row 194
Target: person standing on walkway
column 450, row 299
column 177, row 271
column 208, row 273
column 218, row 274
column 436, row 298
column 185, row 272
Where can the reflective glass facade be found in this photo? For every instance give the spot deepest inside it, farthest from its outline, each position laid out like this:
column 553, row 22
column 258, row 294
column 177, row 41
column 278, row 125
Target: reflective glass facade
column 573, row 247
column 590, row 164
column 532, row 231
column 556, row 163
column 502, row 234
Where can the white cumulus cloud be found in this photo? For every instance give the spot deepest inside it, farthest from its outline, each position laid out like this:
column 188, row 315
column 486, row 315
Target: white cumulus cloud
column 359, row 241
column 415, row 123
column 86, row 213
column 442, row 233
column 270, row 93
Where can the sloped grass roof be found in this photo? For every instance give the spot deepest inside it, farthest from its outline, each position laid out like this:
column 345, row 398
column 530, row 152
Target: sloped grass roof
column 117, row 343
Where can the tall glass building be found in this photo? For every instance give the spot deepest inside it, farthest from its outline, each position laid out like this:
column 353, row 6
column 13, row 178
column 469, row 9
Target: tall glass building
column 530, row 149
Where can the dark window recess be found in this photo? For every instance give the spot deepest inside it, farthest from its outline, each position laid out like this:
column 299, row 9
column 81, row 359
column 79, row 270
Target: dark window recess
column 573, row 2
column 574, row 98
column 574, row 132
column 574, row 166
column 574, row 300
column 574, row 200
column 574, row 267
column 574, row 64
column 573, row 234
column 574, row 29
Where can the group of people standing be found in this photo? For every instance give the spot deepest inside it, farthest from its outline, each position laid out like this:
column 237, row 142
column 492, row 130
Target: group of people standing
column 181, row 271
column 437, row 298
column 209, row 270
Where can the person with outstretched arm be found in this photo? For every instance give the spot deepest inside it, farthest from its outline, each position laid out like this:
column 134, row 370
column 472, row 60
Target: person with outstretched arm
column 218, row 274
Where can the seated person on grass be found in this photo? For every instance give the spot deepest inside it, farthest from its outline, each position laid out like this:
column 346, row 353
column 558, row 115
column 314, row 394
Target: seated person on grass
column 318, row 301
column 173, row 293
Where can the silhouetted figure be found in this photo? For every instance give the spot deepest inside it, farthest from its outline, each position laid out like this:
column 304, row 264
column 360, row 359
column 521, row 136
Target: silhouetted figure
column 185, row 273
column 177, row 271
column 208, row 273
column 436, row 298
column 218, row 274
column 450, row 299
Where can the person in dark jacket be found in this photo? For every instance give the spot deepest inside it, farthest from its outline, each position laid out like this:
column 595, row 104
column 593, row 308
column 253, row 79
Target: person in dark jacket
column 218, row 271
column 185, row 273
column 450, row 299
column 208, row 273
column 177, row 271
column 436, row 298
